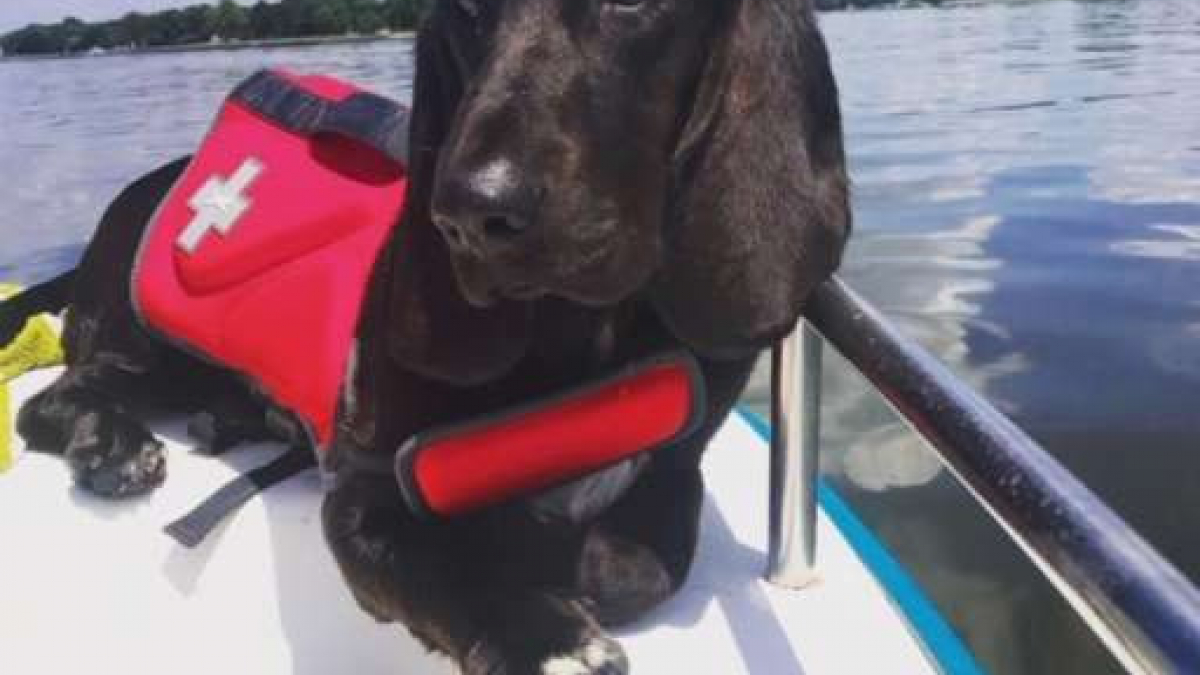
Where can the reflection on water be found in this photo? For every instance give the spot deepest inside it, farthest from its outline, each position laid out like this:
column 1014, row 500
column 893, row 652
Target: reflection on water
column 1028, row 206
column 1027, row 195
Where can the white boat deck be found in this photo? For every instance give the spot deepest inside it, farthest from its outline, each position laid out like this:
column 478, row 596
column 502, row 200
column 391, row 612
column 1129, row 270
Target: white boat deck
column 93, row 587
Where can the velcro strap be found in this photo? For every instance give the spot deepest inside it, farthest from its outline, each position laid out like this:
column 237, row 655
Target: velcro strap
column 365, row 117
column 192, row 529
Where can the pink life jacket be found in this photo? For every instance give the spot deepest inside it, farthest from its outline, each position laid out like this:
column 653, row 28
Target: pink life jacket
column 259, row 256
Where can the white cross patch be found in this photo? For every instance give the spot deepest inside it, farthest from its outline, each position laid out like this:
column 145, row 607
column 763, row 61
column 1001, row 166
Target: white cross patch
column 219, row 204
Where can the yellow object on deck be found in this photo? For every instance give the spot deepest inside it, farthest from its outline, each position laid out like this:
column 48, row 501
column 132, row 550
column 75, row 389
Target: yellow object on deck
column 36, row 346
column 6, row 451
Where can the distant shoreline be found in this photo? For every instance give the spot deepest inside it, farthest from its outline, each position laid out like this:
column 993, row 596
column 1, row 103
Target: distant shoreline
column 223, row 46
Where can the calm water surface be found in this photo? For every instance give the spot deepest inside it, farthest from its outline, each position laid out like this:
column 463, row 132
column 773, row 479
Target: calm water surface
column 1027, row 203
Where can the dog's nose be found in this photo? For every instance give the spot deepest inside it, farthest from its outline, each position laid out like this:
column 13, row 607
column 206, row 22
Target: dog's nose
column 484, row 209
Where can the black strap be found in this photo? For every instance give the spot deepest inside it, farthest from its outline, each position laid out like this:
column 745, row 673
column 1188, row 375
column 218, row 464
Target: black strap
column 365, row 117
column 49, row 296
column 191, row 529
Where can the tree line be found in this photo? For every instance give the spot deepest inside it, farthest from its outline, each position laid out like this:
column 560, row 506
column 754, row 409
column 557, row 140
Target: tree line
column 226, row 20
column 829, row 5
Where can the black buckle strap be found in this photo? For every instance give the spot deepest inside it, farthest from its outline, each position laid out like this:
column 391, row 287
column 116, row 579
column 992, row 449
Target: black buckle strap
column 49, row 296
column 365, row 117
column 191, row 529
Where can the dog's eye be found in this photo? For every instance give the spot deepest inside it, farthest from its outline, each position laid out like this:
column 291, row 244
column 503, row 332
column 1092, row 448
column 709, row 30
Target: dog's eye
column 470, row 8
column 474, row 12
column 624, row 6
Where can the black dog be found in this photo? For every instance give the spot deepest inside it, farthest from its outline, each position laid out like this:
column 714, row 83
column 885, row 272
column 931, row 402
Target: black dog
column 593, row 182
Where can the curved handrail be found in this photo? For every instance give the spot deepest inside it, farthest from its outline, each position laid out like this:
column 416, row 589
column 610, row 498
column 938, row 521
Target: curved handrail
column 1143, row 609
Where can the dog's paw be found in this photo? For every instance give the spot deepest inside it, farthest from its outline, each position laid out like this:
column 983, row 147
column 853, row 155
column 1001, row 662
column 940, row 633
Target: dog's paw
column 115, row 458
column 545, row 635
column 621, row 579
column 597, row 656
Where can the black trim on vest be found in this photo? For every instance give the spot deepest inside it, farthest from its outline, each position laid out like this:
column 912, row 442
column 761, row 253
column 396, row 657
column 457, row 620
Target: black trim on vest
column 191, row 529
column 368, row 118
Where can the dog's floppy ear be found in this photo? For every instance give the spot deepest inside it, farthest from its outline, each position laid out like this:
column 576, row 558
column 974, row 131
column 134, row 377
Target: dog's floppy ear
column 760, row 209
column 432, row 330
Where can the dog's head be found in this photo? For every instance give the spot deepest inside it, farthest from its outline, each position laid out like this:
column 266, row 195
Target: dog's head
column 555, row 175
column 689, row 150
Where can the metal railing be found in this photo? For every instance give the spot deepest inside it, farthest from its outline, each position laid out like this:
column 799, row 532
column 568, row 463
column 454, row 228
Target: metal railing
column 1143, row 610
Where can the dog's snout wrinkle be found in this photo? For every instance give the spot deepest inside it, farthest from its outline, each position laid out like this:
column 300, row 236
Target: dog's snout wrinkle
column 494, row 178
column 506, row 206
column 454, row 235
column 486, row 208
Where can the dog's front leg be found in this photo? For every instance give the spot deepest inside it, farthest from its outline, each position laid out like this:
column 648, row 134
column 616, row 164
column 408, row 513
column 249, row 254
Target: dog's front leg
column 80, row 417
column 639, row 552
column 441, row 581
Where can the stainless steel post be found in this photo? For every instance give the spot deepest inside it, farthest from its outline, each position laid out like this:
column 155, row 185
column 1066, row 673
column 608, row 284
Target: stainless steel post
column 795, row 415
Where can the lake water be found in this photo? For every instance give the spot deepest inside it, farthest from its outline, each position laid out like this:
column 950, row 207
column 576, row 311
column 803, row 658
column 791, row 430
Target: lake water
column 1027, row 196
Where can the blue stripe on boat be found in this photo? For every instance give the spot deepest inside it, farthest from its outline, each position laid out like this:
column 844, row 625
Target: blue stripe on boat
column 939, row 638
